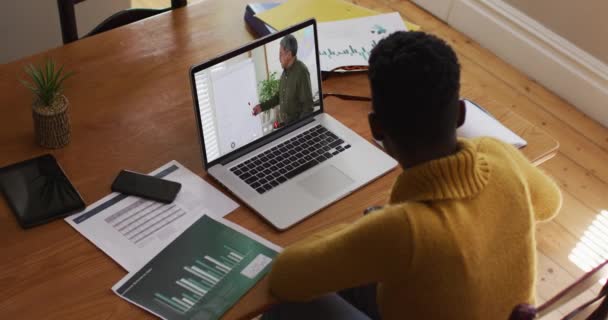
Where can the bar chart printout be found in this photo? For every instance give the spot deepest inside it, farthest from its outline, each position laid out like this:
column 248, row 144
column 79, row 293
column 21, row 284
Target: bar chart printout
column 201, row 274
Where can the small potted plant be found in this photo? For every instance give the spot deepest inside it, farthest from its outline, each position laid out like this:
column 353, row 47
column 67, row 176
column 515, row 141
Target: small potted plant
column 50, row 106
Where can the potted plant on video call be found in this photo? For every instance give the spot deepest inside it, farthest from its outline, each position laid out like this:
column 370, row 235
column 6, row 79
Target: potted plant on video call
column 50, row 106
column 267, row 89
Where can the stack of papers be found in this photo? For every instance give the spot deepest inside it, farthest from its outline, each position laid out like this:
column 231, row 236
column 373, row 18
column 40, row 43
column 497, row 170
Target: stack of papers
column 184, row 260
column 132, row 230
column 294, row 11
column 347, row 32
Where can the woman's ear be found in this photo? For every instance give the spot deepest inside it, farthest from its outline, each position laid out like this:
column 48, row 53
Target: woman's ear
column 462, row 112
column 375, row 126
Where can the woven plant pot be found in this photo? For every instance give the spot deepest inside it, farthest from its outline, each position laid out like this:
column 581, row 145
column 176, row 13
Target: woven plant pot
column 52, row 123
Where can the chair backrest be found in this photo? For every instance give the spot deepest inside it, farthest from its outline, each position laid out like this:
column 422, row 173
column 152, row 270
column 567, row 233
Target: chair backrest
column 67, row 18
column 584, row 311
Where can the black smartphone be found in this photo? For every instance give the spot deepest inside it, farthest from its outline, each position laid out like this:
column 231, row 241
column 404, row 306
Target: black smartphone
column 145, row 186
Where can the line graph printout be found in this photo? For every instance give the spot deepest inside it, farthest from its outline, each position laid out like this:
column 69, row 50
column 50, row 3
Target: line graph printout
column 132, row 230
column 349, row 42
column 202, row 273
column 234, row 95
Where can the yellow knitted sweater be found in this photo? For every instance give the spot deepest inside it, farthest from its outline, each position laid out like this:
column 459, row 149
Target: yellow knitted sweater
column 455, row 242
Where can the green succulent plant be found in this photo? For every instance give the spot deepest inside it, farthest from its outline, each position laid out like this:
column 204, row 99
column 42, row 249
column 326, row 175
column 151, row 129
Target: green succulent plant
column 46, row 81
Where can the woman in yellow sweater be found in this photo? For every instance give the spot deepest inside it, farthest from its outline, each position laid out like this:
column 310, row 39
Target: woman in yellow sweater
column 456, row 240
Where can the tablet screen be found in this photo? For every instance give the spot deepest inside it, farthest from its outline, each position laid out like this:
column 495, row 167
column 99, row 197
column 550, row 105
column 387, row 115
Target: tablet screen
column 37, row 190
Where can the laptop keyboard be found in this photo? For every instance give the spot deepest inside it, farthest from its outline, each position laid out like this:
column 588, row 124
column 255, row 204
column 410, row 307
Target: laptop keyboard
column 290, row 158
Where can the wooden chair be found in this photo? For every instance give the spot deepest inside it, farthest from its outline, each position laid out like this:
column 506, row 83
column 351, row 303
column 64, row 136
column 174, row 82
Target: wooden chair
column 67, row 18
column 595, row 309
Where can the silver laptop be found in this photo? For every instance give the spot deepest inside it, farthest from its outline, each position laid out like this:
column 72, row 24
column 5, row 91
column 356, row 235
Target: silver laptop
column 291, row 159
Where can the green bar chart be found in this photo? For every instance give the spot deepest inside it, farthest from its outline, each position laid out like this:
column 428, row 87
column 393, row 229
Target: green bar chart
column 200, row 274
column 205, row 274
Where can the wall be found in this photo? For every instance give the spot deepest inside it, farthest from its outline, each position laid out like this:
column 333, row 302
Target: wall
column 31, row 26
column 583, row 23
column 562, row 65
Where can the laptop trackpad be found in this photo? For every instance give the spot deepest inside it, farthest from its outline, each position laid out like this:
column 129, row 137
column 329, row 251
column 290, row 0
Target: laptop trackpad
column 325, row 182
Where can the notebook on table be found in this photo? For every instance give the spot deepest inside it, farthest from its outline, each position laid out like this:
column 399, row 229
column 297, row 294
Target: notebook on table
column 283, row 170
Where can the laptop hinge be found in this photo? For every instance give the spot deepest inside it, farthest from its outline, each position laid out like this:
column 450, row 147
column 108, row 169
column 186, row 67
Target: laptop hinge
column 274, row 136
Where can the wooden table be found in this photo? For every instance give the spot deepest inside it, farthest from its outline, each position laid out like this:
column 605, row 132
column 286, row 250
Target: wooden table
column 131, row 107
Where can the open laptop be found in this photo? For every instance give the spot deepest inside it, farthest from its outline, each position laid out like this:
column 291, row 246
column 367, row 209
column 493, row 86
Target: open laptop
column 284, row 167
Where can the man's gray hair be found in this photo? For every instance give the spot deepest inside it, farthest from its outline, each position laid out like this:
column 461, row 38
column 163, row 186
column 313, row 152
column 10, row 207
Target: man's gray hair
column 290, row 44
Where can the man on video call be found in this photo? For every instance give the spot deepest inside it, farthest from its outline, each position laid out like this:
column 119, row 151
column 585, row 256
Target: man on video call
column 295, row 93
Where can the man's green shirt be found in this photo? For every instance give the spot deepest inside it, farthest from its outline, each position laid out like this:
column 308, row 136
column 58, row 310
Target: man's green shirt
column 295, row 93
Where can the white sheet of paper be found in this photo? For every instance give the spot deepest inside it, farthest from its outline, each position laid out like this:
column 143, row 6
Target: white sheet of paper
column 479, row 123
column 349, row 42
column 132, row 230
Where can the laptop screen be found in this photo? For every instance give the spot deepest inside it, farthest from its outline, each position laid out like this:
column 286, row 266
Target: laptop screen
column 259, row 90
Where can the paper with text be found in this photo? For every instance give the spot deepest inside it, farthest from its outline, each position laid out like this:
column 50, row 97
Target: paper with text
column 132, row 230
column 202, row 273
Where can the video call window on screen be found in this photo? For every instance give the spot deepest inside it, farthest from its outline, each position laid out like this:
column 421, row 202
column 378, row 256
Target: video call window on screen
column 257, row 92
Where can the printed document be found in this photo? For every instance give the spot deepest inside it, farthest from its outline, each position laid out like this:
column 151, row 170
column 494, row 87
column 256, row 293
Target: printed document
column 350, row 42
column 202, row 273
column 132, row 230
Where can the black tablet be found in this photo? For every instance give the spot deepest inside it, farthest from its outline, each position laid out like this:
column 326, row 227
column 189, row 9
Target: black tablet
column 38, row 191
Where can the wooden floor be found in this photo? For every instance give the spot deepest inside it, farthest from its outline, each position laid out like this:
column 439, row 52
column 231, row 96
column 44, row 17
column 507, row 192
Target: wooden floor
column 578, row 237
